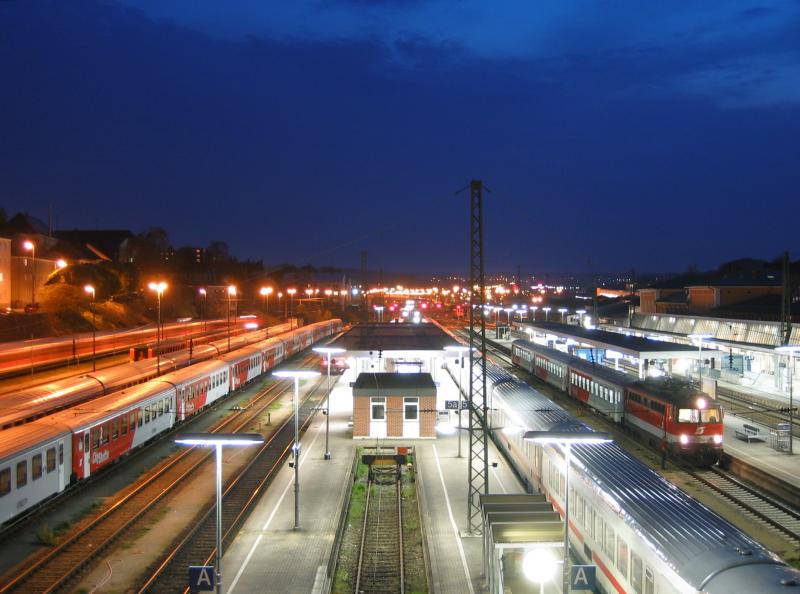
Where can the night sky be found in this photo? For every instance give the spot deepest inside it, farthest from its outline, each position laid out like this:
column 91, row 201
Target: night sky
column 654, row 135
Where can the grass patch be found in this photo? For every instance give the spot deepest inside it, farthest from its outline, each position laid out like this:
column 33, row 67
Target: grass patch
column 345, row 576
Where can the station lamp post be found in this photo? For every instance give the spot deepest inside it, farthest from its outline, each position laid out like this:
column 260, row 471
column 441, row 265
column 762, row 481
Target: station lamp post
column 581, row 313
column 31, row 247
column 459, row 350
column 329, row 351
column 379, row 310
column 533, row 309
column 546, row 311
column 280, row 296
column 159, row 288
column 566, row 440
column 296, row 375
column 790, row 350
column 89, row 289
column 563, row 311
column 217, row 440
column 700, row 338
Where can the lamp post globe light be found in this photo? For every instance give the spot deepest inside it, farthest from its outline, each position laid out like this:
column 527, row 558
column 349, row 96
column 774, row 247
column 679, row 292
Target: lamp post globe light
column 217, row 440
column 159, row 289
column 539, row 566
column 329, row 351
column 790, row 350
column 566, row 440
column 89, row 290
column 700, row 338
column 296, row 375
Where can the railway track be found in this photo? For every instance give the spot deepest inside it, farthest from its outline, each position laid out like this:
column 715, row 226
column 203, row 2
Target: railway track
column 758, row 410
column 778, row 515
column 380, row 558
column 239, row 496
column 59, row 567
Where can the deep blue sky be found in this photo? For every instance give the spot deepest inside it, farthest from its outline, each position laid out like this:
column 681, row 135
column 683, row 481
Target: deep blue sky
column 613, row 134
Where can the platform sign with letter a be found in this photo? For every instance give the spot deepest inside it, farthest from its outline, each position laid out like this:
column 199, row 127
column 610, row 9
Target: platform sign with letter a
column 582, row 577
column 202, row 578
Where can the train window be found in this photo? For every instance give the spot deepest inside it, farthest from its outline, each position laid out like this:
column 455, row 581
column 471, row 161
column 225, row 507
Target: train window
column 710, row 416
column 22, row 473
column 622, row 557
column 649, row 581
column 147, row 414
column 598, row 529
column 166, row 405
column 36, row 466
column 688, row 415
column 160, row 408
column 637, row 580
column 5, row 481
column 124, row 425
column 51, row 459
column 115, row 429
column 104, row 433
column 590, row 520
column 133, row 420
column 95, row 438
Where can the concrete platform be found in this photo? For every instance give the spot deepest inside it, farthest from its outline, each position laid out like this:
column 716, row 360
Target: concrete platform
column 778, row 464
column 268, row 555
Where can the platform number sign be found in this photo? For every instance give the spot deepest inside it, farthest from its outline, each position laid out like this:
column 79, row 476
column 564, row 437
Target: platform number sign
column 202, row 578
column 451, row 404
column 582, row 577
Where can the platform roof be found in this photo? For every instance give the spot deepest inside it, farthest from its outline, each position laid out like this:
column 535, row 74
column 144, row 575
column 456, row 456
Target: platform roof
column 365, row 338
column 633, row 346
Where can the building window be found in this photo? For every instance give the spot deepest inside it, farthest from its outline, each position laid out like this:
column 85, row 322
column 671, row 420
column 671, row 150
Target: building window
column 411, row 409
column 378, row 409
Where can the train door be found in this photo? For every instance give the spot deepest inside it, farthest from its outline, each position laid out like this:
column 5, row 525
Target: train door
column 62, row 479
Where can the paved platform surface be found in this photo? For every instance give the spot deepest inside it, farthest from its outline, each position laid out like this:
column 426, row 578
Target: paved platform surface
column 268, row 555
column 779, row 464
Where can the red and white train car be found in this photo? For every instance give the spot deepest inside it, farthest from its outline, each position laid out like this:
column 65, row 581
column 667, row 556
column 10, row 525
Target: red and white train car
column 665, row 412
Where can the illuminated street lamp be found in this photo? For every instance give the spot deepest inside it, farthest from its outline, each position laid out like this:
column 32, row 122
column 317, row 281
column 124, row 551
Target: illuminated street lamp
column 566, row 440
column 265, row 293
column 459, row 350
column 159, row 288
column 539, row 566
column 534, row 308
column 89, row 289
column 328, row 351
column 296, row 375
column 31, row 247
column 546, row 311
column 563, row 311
column 580, row 313
column 280, row 296
column 61, row 263
column 291, row 301
column 700, row 338
column 217, row 440
column 204, row 295
column 231, row 293
column 790, row 350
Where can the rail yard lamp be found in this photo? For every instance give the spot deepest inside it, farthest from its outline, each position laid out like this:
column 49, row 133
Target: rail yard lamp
column 534, row 308
column 89, row 289
column 565, row 440
column 31, row 247
column 204, row 294
column 790, row 350
column 329, row 351
column 563, row 311
column 546, row 311
column 291, row 301
column 159, row 288
column 217, row 440
column 296, row 375
column 581, row 313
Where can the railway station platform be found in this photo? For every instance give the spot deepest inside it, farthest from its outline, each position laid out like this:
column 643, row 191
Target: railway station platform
column 268, row 555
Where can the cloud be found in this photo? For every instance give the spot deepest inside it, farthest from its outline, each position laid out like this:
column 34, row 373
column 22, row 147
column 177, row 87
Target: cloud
column 757, row 81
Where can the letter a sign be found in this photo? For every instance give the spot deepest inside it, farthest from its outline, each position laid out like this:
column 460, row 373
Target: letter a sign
column 202, row 578
column 582, row 577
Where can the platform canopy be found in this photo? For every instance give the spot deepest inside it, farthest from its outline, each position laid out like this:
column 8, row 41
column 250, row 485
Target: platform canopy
column 393, row 340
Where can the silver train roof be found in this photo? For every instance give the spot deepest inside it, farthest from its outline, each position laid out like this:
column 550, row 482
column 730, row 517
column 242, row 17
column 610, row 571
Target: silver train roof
column 691, row 538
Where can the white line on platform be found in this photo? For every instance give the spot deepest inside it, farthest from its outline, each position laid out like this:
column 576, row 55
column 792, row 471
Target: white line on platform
column 272, row 515
column 452, row 520
column 499, row 482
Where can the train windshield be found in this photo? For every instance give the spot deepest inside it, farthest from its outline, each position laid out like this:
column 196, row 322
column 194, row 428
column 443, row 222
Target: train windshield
column 693, row 415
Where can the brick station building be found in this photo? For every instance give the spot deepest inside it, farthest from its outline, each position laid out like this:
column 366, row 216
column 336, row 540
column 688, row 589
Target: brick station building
column 394, row 405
